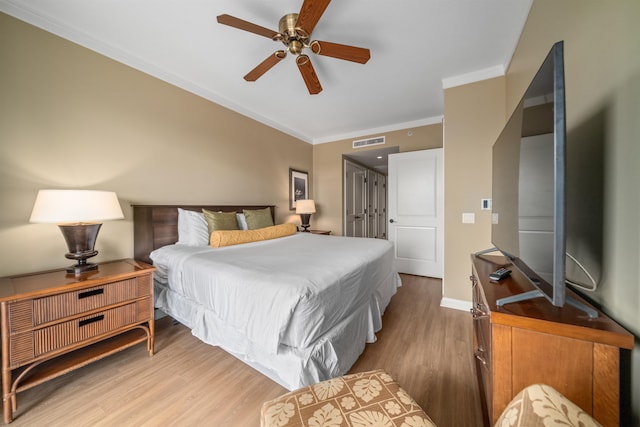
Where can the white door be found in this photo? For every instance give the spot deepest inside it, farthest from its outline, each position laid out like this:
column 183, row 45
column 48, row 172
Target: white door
column 416, row 211
column 355, row 203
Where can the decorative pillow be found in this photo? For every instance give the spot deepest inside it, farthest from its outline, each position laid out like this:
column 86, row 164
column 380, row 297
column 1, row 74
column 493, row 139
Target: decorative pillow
column 221, row 238
column 258, row 218
column 192, row 228
column 242, row 221
column 220, row 220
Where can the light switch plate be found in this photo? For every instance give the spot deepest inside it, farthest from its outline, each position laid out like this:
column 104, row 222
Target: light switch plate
column 468, row 218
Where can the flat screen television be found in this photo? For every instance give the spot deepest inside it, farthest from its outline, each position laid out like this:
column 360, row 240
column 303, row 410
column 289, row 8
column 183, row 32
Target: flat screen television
column 528, row 186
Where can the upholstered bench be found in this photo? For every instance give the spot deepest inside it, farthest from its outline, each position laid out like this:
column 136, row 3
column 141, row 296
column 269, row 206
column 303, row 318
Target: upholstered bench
column 368, row 398
column 375, row 398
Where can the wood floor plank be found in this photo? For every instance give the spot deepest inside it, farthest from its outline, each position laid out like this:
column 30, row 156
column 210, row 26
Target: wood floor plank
column 427, row 348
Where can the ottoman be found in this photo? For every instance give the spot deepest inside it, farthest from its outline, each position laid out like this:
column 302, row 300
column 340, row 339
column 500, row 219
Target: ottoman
column 364, row 399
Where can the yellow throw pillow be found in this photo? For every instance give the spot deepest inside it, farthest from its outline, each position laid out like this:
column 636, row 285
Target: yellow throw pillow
column 221, row 238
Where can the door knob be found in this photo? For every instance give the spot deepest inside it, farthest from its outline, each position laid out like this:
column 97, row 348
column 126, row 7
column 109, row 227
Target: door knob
column 391, row 220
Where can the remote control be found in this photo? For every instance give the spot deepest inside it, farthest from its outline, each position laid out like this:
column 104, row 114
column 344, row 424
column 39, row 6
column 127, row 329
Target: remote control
column 499, row 274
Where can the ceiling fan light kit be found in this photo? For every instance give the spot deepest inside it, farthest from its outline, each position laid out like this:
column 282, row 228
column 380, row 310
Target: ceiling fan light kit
column 295, row 33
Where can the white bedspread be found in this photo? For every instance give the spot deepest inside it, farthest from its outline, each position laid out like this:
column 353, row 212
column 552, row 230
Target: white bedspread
column 283, row 292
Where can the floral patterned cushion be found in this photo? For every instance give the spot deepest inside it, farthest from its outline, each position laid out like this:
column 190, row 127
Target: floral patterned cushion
column 366, row 399
column 542, row 405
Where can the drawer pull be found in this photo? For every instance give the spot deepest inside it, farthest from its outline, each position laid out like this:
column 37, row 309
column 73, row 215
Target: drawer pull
column 478, row 313
column 92, row 320
column 90, row 293
column 479, row 354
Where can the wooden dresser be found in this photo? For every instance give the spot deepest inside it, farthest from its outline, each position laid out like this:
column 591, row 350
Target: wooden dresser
column 532, row 341
column 54, row 322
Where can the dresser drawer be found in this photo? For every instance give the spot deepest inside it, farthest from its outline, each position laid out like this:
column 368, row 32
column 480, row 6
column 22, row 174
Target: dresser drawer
column 31, row 344
column 31, row 313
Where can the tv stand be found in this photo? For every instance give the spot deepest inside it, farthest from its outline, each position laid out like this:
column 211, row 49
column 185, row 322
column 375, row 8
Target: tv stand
column 530, row 341
column 537, row 293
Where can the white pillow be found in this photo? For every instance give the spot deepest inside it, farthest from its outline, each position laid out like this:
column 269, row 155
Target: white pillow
column 242, row 222
column 192, row 228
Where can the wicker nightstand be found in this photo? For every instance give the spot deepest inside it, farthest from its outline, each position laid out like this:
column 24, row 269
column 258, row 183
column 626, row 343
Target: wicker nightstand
column 54, row 322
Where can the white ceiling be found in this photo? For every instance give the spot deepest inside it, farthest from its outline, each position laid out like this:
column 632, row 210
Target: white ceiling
column 417, row 48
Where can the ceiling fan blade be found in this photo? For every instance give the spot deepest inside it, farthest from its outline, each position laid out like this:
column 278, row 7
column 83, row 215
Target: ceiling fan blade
column 265, row 66
column 341, row 51
column 310, row 14
column 308, row 74
column 241, row 24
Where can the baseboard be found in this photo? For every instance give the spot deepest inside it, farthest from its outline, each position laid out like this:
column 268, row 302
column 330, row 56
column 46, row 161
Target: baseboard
column 457, row 304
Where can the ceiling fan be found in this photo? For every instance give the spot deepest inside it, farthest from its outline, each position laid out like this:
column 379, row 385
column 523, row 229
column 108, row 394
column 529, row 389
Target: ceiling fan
column 294, row 31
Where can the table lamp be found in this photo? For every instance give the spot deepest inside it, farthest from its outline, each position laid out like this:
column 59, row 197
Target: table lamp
column 78, row 214
column 305, row 208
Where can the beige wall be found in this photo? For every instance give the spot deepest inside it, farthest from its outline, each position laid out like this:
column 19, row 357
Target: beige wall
column 71, row 118
column 327, row 169
column 474, row 117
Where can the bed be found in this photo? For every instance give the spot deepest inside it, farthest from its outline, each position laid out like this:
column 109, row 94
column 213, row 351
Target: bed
column 298, row 308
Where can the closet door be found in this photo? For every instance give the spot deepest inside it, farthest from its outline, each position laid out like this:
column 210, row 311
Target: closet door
column 381, row 207
column 355, row 200
column 372, row 209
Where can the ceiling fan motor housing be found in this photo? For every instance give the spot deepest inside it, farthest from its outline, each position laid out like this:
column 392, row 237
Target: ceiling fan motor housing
column 294, row 38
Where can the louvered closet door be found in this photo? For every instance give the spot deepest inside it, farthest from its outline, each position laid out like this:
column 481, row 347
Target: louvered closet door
column 355, row 200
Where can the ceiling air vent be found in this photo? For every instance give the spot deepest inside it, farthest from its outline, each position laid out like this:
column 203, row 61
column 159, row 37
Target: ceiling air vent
column 378, row 140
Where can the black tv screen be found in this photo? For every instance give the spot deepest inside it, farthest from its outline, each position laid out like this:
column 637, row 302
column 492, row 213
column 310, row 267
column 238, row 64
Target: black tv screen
column 528, row 185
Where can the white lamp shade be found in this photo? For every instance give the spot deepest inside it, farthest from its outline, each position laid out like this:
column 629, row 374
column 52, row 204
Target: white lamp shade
column 305, row 206
column 75, row 206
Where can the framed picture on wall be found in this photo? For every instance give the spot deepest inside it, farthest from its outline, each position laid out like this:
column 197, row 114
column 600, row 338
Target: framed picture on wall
column 298, row 187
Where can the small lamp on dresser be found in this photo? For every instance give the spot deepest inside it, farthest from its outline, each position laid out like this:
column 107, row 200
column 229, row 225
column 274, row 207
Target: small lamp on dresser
column 305, row 208
column 79, row 215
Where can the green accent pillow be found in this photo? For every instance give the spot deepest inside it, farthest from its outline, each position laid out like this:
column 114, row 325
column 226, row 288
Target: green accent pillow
column 258, row 218
column 220, row 220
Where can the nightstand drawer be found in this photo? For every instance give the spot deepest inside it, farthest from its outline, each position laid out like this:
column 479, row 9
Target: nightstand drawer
column 28, row 314
column 29, row 345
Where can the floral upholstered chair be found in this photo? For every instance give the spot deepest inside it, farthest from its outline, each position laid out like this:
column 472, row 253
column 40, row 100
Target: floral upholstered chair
column 540, row 405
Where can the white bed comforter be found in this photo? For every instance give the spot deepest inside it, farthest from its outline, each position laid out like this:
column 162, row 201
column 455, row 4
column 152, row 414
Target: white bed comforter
column 282, row 292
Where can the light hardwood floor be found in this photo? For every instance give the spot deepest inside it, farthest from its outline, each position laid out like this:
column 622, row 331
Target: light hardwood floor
column 188, row 383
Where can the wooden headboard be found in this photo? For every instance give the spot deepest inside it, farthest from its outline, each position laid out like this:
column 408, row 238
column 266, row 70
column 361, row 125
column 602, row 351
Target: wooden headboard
column 155, row 226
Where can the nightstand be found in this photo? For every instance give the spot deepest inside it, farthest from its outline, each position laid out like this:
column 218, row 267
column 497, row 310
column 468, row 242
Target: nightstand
column 327, row 232
column 54, row 322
